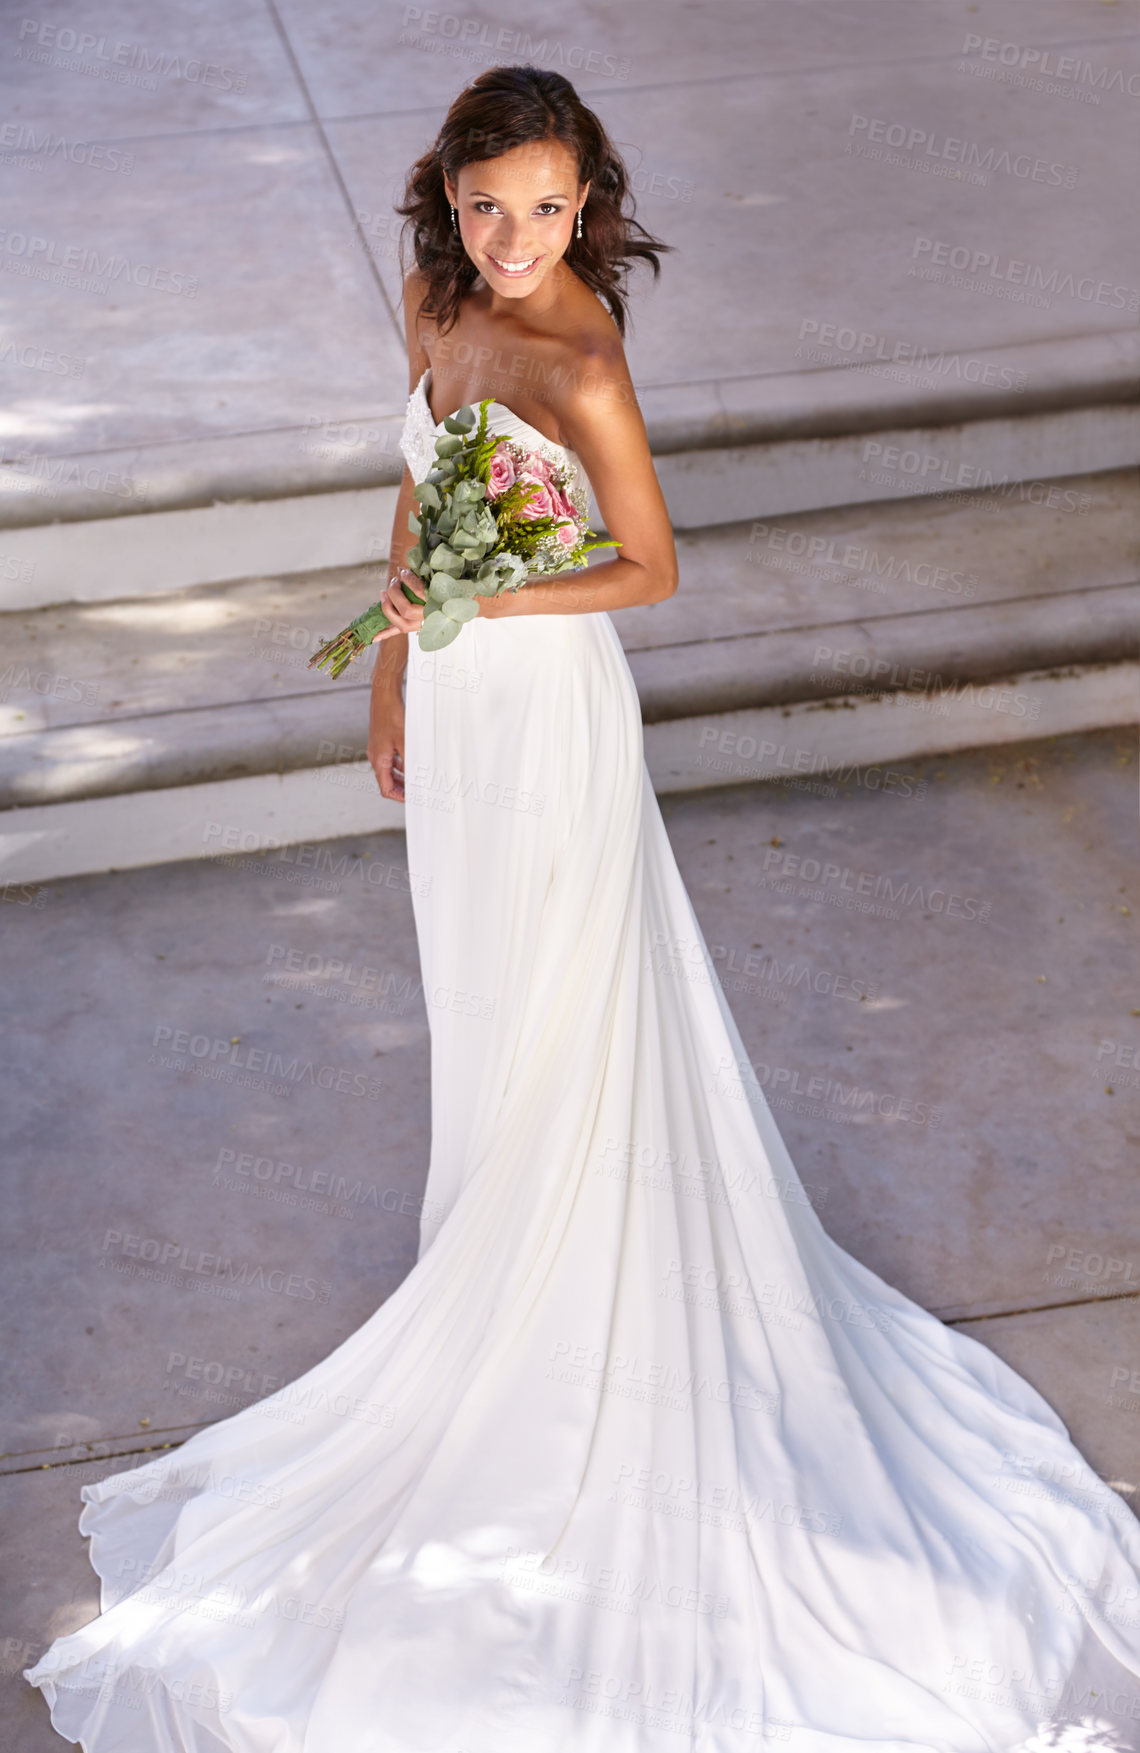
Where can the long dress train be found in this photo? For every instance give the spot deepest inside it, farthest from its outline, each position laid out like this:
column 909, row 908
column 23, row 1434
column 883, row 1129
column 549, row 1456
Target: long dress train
column 636, row 1458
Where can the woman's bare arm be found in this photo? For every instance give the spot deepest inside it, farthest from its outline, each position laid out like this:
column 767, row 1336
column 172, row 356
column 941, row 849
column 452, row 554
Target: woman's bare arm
column 603, row 425
column 601, row 422
column 386, row 708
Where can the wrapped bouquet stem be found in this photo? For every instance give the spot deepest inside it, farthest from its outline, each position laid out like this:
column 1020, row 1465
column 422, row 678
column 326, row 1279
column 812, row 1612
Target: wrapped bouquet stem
column 491, row 514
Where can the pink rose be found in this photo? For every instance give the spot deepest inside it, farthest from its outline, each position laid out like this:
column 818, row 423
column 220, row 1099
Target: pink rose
column 565, row 507
column 502, row 473
column 542, row 503
column 567, row 534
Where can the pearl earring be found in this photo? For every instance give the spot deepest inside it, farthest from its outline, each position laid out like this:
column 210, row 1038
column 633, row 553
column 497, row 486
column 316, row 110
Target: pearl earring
column 579, row 222
column 454, row 227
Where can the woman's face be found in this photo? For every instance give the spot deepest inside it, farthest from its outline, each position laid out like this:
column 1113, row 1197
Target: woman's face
column 516, row 213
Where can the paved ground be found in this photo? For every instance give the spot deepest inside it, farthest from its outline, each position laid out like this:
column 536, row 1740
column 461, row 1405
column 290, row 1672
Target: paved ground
column 961, row 949
column 216, row 225
column 223, row 178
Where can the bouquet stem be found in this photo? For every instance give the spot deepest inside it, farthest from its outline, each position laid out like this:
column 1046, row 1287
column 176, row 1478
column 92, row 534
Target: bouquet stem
column 335, row 655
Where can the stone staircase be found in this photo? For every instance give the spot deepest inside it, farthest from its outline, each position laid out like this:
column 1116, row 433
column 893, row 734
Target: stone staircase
column 870, row 572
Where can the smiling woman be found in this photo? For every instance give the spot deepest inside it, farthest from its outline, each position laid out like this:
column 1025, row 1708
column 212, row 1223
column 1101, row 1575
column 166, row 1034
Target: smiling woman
column 636, row 1457
column 501, row 218
column 521, row 223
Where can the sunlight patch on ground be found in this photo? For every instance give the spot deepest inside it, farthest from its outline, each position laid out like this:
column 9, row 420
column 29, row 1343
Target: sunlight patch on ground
column 177, row 614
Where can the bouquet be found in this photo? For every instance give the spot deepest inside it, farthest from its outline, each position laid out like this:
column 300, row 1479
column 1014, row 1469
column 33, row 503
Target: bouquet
column 491, row 513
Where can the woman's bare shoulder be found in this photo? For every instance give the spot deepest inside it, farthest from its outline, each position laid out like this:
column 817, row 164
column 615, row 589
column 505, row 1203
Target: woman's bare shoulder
column 593, row 366
column 592, row 330
column 416, row 326
column 415, row 287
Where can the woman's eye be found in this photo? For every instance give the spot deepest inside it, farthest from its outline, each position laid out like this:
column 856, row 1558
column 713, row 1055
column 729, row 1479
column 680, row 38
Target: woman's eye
column 545, row 207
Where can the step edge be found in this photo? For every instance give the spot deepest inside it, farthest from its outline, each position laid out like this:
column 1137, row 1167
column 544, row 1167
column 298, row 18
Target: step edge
column 327, row 732
column 831, row 402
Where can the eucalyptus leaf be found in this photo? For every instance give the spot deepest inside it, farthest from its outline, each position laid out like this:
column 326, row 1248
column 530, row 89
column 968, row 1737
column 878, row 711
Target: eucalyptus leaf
column 514, row 570
column 428, row 495
column 437, row 631
column 445, row 559
column 461, row 609
column 444, row 587
column 447, row 447
column 461, row 422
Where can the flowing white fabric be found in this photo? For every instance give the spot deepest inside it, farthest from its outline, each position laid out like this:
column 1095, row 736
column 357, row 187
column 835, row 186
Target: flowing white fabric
column 636, row 1458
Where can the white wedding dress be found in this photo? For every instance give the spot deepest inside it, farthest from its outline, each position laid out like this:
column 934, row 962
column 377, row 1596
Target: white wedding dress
column 636, row 1459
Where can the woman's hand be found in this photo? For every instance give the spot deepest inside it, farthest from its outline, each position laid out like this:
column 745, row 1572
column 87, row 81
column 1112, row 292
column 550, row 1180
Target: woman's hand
column 386, row 744
column 405, row 616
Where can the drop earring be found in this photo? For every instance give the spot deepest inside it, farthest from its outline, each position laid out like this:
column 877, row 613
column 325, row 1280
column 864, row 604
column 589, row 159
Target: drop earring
column 454, row 227
column 579, row 222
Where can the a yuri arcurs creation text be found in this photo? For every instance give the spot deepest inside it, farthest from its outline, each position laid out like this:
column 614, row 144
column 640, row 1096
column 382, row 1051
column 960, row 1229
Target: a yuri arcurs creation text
column 492, row 514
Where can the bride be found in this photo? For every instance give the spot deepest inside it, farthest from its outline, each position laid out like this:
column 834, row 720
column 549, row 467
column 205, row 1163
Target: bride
column 636, row 1458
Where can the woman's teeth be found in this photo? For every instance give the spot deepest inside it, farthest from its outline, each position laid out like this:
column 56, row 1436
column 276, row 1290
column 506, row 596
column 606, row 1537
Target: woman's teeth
column 514, row 267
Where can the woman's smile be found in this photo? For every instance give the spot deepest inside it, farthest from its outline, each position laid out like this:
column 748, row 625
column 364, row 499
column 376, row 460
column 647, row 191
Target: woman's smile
column 514, row 270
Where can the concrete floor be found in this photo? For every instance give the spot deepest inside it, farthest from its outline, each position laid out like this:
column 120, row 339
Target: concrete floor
column 237, row 251
column 987, row 997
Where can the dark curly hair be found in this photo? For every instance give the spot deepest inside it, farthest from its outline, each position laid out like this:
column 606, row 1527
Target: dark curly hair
column 503, row 108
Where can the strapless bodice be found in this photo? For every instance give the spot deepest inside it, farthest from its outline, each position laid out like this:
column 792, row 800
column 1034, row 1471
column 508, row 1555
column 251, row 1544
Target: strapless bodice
column 417, row 440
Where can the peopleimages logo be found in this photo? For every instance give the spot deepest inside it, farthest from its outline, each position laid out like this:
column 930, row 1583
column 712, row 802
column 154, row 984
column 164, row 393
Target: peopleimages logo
column 1046, row 64
column 470, row 39
column 779, row 758
column 38, row 254
column 782, row 865
column 843, row 342
column 177, row 1264
column 110, row 57
column 739, row 1078
column 42, row 359
column 847, row 556
column 921, row 149
column 223, row 1055
column 21, row 137
column 1011, row 270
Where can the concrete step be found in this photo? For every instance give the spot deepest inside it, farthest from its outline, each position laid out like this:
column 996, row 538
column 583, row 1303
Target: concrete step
column 98, row 526
column 96, row 663
column 139, row 730
column 938, row 653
